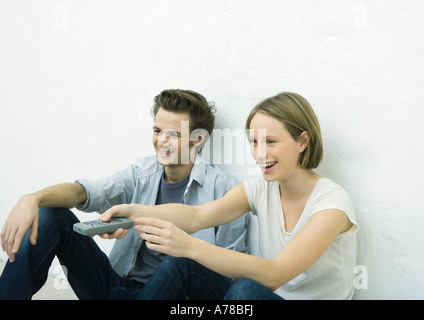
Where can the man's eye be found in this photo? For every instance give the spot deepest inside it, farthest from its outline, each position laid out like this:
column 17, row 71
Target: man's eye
column 172, row 135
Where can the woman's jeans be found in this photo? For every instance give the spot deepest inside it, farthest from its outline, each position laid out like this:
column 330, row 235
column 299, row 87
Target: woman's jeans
column 92, row 277
column 181, row 278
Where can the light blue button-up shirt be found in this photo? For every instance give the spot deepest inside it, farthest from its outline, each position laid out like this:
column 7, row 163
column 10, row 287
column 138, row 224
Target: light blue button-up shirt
column 139, row 183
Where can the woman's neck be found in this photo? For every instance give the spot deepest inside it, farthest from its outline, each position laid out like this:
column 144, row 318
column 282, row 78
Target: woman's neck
column 299, row 186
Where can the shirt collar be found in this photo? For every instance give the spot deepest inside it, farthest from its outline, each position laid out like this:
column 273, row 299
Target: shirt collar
column 198, row 172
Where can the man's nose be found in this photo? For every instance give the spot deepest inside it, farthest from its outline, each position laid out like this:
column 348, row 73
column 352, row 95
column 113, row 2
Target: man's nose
column 163, row 137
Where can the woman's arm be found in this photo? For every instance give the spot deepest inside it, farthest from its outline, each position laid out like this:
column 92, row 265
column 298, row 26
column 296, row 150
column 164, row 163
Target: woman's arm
column 189, row 218
column 296, row 257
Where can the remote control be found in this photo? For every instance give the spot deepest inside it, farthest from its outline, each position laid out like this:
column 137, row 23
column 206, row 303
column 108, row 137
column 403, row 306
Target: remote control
column 91, row 228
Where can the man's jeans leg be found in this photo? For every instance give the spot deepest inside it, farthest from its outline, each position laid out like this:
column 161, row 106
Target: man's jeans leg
column 88, row 268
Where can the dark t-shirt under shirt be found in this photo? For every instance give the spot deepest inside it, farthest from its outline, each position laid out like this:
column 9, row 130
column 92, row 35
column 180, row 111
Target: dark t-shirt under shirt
column 148, row 260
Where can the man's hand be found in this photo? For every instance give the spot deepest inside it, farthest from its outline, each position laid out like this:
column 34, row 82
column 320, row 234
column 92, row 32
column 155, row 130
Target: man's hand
column 122, row 211
column 118, row 234
column 23, row 216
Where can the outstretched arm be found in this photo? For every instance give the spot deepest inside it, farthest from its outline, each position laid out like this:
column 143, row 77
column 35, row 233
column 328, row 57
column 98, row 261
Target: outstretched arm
column 189, row 218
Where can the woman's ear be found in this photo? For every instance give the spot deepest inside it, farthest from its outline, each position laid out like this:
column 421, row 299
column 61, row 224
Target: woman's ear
column 303, row 140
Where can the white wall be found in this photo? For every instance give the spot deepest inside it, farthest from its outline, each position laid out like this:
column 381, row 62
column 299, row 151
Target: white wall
column 77, row 79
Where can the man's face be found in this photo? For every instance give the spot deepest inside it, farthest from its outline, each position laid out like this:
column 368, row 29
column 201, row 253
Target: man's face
column 171, row 137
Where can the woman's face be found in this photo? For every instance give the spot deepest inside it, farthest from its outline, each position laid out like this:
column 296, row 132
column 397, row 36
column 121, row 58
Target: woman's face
column 272, row 146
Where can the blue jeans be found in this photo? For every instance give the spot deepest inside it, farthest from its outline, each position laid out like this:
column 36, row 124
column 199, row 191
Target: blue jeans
column 92, row 277
column 89, row 271
column 181, row 278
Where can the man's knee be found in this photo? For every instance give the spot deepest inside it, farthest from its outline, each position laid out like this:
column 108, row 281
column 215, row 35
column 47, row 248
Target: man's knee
column 61, row 216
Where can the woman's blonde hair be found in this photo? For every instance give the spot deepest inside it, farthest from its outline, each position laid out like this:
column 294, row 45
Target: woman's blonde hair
column 297, row 115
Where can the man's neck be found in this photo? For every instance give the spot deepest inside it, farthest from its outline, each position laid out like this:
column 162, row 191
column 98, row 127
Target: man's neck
column 177, row 172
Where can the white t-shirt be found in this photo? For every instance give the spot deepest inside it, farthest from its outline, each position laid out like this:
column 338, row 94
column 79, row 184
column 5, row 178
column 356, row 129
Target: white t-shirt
column 332, row 276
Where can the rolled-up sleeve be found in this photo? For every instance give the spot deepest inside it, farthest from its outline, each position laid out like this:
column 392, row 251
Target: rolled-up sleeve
column 108, row 191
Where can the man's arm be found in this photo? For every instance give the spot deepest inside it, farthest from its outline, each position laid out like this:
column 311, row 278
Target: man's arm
column 65, row 195
column 24, row 215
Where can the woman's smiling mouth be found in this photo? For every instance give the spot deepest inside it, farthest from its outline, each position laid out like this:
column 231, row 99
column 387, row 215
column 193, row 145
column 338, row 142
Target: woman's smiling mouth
column 267, row 166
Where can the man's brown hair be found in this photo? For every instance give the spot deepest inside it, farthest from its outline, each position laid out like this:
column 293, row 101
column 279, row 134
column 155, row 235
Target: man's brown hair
column 200, row 110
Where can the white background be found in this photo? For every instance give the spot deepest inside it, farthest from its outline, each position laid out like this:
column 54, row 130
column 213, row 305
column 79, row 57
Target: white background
column 77, row 80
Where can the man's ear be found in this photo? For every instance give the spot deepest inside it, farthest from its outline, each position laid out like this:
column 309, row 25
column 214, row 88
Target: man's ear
column 198, row 137
column 303, row 140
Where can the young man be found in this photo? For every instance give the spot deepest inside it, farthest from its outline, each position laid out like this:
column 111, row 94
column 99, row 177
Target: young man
column 32, row 237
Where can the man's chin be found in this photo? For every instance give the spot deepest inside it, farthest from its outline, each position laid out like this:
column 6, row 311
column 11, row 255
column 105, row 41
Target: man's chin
column 167, row 161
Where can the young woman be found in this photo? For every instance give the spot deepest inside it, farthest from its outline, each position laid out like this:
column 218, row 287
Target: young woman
column 307, row 224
